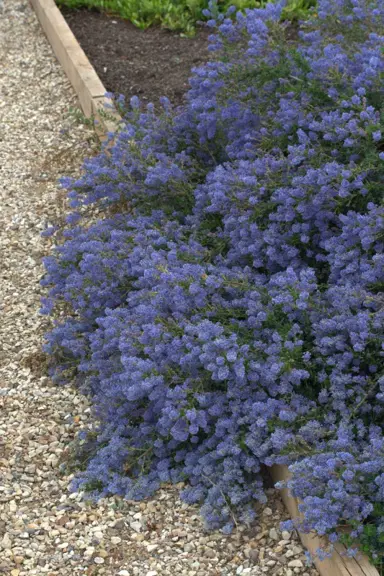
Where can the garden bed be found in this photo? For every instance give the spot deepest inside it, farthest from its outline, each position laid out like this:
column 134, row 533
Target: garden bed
column 146, row 63
column 336, row 565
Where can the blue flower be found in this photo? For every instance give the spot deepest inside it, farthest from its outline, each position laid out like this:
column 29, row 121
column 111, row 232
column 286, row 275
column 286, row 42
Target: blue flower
column 224, row 308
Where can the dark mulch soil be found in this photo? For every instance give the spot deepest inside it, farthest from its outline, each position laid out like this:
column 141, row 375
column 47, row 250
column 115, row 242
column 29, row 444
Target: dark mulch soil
column 147, row 63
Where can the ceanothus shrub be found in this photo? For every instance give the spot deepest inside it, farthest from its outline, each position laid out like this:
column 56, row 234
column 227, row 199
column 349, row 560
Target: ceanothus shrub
column 225, row 311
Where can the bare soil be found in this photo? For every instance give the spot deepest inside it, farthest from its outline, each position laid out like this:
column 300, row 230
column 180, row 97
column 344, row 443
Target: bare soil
column 147, row 63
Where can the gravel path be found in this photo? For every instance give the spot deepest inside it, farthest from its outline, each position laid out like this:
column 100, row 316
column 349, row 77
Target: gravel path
column 43, row 528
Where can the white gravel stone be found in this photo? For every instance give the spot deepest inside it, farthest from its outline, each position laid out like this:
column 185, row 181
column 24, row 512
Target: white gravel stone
column 43, row 528
column 295, row 564
column 273, row 534
column 136, row 526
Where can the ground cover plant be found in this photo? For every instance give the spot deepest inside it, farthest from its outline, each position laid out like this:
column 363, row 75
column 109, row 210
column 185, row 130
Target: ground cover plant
column 226, row 309
column 177, row 14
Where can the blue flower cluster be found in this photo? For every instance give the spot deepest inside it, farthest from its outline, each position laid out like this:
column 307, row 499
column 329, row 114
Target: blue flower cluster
column 226, row 311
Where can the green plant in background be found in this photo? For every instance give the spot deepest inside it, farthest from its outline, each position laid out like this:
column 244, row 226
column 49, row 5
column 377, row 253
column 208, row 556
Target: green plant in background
column 177, row 15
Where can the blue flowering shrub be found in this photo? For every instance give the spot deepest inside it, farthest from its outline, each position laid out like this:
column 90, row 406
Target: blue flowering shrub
column 226, row 309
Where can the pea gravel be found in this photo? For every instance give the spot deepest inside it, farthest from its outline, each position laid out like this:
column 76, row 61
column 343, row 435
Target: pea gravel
column 44, row 529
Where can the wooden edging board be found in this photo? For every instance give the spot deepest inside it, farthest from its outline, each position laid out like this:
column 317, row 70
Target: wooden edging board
column 80, row 72
column 339, row 564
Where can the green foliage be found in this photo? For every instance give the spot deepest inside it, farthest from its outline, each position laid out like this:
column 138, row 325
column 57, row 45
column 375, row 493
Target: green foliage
column 371, row 538
column 177, row 15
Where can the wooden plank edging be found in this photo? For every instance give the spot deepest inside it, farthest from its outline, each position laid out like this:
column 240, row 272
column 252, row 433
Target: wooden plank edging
column 339, row 564
column 80, row 72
